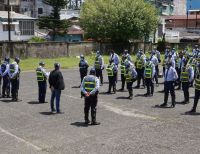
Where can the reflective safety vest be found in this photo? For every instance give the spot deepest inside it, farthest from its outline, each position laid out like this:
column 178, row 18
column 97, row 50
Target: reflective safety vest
column 109, row 70
column 40, row 75
column 148, row 72
column 97, row 63
column 184, row 75
column 139, row 63
column 89, row 84
column 83, row 64
column 128, row 76
column 123, row 68
column 12, row 70
column 197, row 83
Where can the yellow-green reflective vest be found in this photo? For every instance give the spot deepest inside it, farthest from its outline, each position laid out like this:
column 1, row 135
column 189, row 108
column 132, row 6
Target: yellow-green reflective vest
column 128, row 76
column 12, row 69
column 97, row 64
column 109, row 70
column 148, row 72
column 40, row 75
column 139, row 63
column 184, row 75
column 123, row 69
column 89, row 84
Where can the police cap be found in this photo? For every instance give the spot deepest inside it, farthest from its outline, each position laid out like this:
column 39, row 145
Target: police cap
column 41, row 63
column 17, row 59
column 7, row 59
column 57, row 65
column 92, row 71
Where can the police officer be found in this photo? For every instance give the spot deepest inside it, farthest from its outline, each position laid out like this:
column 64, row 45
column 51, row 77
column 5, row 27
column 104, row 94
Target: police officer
column 170, row 77
column 195, row 51
column 99, row 66
column 130, row 76
column 6, row 80
column 197, row 90
column 14, row 75
column 83, row 67
column 180, row 64
column 155, row 61
column 42, row 76
column 127, row 55
column 112, row 76
column 114, row 57
column 148, row 75
column 140, row 64
column 187, row 76
column 90, row 89
column 123, row 70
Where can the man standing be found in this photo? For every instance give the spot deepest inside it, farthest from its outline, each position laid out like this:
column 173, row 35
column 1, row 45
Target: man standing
column 99, row 66
column 42, row 76
column 83, row 67
column 130, row 76
column 57, row 84
column 148, row 75
column 170, row 77
column 90, row 88
column 155, row 61
column 112, row 76
column 14, row 75
column 123, row 70
column 187, row 76
column 6, row 80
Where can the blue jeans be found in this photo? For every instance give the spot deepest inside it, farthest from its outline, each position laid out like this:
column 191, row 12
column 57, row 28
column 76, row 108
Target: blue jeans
column 55, row 94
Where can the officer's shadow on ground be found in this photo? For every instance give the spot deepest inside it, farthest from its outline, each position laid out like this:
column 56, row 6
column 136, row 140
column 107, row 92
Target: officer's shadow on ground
column 75, row 86
column 79, row 124
column 191, row 114
column 162, row 107
column 7, row 100
column 47, row 113
column 122, row 97
column 35, row 102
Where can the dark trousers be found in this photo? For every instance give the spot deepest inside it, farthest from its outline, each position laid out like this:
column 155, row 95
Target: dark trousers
column 14, row 88
column 123, row 79
column 156, row 74
column 82, row 75
column 169, row 87
column 185, row 88
column 90, row 102
column 6, row 86
column 178, row 81
column 99, row 74
column 42, row 87
column 112, row 83
column 163, row 71
column 130, row 88
column 150, row 86
column 196, row 99
column 55, row 94
column 140, row 76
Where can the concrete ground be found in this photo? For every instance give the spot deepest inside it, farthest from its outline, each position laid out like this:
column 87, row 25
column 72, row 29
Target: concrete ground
column 127, row 126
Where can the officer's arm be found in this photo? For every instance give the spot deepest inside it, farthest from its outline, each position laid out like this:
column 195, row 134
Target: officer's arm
column 102, row 63
column 45, row 72
column 86, row 64
column 175, row 74
column 16, row 71
column 82, row 87
column 134, row 73
column 191, row 72
column 96, row 87
column 153, row 70
column 6, row 71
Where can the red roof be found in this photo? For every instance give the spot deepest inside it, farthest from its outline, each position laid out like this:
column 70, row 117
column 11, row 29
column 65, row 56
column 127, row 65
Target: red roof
column 182, row 17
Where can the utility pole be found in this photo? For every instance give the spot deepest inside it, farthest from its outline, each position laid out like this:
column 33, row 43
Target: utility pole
column 9, row 27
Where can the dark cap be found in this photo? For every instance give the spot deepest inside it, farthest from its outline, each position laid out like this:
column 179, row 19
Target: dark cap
column 92, row 71
column 57, row 65
column 17, row 59
column 41, row 63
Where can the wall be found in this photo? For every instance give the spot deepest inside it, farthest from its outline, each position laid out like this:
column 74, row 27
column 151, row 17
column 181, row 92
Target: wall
column 193, row 5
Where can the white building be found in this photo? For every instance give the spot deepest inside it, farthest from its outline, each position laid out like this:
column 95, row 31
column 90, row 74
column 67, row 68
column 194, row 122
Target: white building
column 22, row 26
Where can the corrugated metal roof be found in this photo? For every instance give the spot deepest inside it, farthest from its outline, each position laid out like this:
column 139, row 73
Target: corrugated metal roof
column 182, row 17
column 14, row 15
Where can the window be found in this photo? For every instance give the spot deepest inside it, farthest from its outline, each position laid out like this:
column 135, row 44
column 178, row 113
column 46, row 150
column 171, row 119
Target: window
column 40, row 10
column 5, row 27
column 26, row 27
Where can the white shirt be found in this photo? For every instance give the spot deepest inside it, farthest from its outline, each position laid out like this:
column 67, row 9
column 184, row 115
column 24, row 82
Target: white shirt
column 170, row 74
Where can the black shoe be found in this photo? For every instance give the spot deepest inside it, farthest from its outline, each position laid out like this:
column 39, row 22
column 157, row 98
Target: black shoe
column 87, row 122
column 8, row 96
column 108, row 92
column 58, row 112
column 179, row 88
column 192, row 111
column 3, row 96
column 95, row 123
column 147, row 95
column 121, row 89
column 137, row 87
column 130, row 97
column 53, row 110
column 163, row 105
column 173, row 105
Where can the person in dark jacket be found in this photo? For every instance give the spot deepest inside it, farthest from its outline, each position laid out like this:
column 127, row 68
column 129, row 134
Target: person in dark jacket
column 57, row 84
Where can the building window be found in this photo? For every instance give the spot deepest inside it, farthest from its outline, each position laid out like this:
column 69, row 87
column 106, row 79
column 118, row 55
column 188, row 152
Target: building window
column 5, row 27
column 26, row 27
column 40, row 10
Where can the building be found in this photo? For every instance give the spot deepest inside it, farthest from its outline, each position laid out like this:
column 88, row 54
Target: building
column 193, row 5
column 180, row 7
column 14, row 4
column 22, row 26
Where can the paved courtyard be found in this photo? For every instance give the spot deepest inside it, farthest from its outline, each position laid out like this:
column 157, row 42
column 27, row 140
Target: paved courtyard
column 127, row 126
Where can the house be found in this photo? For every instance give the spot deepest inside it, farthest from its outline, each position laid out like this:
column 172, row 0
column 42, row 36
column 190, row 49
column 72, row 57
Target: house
column 22, row 26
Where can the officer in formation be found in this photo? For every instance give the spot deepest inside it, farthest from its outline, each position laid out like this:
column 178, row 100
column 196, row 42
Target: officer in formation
column 127, row 55
column 123, row 70
column 155, row 61
column 170, row 77
column 130, row 76
column 187, row 76
column 6, row 81
column 14, row 75
column 90, row 89
column 42, row 76
column 83, row 67
column 112, row 76
column 149, row 73
column 99, row 66
column 140, row 64
column 195, row 51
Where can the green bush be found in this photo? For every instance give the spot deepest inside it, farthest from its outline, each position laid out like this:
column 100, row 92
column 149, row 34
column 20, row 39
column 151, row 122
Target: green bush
column 36, row 39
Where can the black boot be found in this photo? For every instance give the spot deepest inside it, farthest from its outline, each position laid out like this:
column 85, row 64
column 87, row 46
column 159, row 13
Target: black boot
column 173, row 102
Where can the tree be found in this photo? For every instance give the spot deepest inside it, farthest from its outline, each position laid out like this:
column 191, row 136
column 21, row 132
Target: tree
column 53, row 22
column 118, row 20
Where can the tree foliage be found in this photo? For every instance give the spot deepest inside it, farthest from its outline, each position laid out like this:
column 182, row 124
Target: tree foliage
column 118, row 20
column 53, row 22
